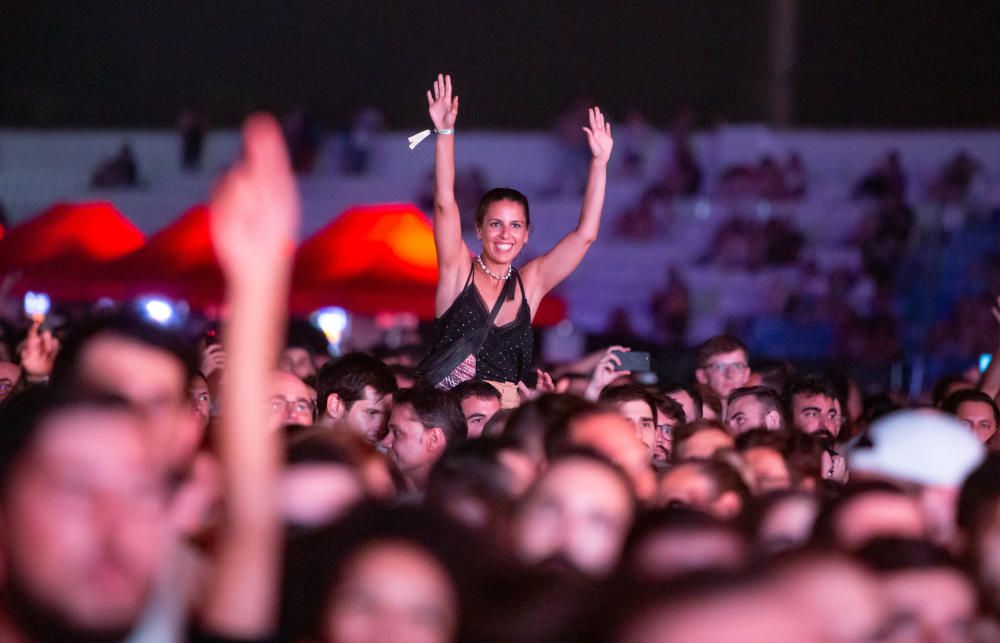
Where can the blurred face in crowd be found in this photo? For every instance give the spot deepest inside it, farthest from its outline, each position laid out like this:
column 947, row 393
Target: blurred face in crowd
column 813, row 413
column 615, row 438
column 747, row 412
column 368, row 417
column 788, row 523
column 316, row 493
column 504, row 231
column 10, row 373
column 477, row 412
column 83, row 519
column 769, row 469
column 578, row 514
column 674, row 552
column 298, row 362
column 291, row 402
column 935, row 604
column 878, row 514
column 687, row 485
column 643, row 422
column 725, row 372
column 978, row 416
column 201, row 401
column 703, row 444
column 154, row 381
column 414, row 448
column 392, row 591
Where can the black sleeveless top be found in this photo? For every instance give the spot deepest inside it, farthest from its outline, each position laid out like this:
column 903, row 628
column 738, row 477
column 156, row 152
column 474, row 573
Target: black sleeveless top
column 509, row 350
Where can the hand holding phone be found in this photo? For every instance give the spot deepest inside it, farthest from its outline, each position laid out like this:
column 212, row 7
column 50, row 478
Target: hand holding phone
column 632, row 361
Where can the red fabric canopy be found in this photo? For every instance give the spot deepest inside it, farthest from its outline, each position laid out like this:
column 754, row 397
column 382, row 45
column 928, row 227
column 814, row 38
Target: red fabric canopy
column 177, row 262
column 62, row 249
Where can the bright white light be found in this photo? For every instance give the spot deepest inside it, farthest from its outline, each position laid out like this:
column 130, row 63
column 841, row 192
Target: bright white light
column 333, row 321
column 36, row 304
column 159, row 311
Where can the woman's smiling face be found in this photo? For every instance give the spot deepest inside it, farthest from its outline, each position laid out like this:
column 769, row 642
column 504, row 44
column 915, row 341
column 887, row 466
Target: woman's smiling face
column 504, row 231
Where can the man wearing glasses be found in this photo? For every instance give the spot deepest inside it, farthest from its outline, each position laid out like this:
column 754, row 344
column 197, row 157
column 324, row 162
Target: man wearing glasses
column 723, row 365
column 291, row 401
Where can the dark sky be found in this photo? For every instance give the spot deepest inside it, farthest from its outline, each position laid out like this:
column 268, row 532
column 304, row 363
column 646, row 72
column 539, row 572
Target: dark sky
column 517, row 63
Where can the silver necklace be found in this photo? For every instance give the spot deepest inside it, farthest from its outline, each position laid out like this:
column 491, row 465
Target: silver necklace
column 490, row 273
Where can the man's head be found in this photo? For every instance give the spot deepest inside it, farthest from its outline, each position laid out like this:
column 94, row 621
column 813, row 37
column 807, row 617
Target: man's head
column 669, row 416
column 812, row 401
column 424, row 422
column 82, row 516
column 754, row 407
column 688, row 397
column 577, row 513
column 291, row 401
column 723, row 364
column 480, row 401
column 975, row 409
column 297, row 360
column 148, row 365
column 637, row 406
column 355, row 393
column 866, row 511
column 614, row 437
column 713, row 487
column 762, row 452
column 700, row 440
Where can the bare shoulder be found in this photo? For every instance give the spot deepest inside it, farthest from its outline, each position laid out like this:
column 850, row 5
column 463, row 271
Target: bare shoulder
column 533, row 288
column 451, row 281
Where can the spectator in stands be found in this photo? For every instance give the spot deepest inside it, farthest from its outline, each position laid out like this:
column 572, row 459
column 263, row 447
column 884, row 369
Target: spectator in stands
column 356, row 394
column 700, row 440
column 671, row 309
column 424, row 423
column 955, row 178
column 669, row 415
column 687, row 396
column 638, row 222
column 291, row 401
column 298, row 360
column 680, row 541
column 119, row 171
column 480, row 402
column 723, row 364
column 711, row 486
column 795, row 176
column 192, row 128
column 885, row 181
column 762, row 452
column 754, row 407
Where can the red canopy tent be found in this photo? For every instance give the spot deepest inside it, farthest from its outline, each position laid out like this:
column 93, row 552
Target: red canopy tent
column 177, row 262
column 375, row 259
column 62, row 249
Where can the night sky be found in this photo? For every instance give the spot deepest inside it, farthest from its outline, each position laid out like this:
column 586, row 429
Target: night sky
column 517, row 64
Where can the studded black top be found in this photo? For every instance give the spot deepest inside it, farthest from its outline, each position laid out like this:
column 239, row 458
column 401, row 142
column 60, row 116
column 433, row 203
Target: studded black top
column 509, row 350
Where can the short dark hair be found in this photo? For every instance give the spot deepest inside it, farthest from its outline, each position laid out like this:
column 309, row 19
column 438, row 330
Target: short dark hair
column 774, row 372
column 979, row 494
column 956, row 399
column 718, row 345
column 685, row 431
column 940, row 390
column 475, row 388
column 766, row 395
column 348, row 376
column 623, row 393
column 23, row 415
column 436, row 409
column 897, row 554
column 501, row 194
column 761, row 438
column 471, row 468
column 125, row 324
column 810, row 384
column 588, row 454
column 670, row 407
column 693, row 393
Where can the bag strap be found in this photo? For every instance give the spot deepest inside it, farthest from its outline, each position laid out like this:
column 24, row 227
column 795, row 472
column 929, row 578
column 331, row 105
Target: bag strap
column 493, row 315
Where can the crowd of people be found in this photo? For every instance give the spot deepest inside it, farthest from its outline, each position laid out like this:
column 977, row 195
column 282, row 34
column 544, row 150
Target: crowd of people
column 157, row 484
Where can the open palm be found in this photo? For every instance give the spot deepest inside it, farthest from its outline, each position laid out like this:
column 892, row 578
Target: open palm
column 443, row 107
column 599, row 135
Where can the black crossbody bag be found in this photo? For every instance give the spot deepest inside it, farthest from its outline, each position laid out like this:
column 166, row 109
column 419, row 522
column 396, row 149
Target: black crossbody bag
column 456, row 363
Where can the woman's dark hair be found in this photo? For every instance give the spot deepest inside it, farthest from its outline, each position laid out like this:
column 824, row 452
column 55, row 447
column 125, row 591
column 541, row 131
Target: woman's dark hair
column 501, row 194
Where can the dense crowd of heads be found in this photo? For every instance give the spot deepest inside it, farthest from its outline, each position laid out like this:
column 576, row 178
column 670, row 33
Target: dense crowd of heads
column 718, row 509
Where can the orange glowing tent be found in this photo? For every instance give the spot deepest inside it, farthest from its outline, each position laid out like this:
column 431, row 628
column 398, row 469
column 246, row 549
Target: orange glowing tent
column 376, row 259
column 63, row 248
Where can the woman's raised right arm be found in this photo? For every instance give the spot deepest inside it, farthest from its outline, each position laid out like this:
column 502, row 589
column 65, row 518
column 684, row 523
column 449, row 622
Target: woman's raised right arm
column 452, row 253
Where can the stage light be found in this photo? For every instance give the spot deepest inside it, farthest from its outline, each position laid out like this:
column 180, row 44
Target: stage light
column 334, row 322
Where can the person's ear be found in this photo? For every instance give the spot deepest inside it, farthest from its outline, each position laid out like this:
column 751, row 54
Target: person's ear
column 772, row 421
column 435, row 439
column 726, row 505
column 701, row 376
column 334, row 406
